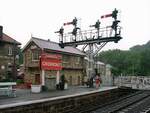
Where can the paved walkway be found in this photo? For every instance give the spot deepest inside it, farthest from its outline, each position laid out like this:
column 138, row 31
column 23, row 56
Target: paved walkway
column 24, row 95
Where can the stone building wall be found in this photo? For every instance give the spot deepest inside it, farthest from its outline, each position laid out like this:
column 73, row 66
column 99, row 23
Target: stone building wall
column 30, row 74
column 72, row 67
column 7, row 59
column 74, row 77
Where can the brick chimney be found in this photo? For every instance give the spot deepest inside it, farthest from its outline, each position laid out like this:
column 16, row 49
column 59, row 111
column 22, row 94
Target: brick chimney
column 1, row 32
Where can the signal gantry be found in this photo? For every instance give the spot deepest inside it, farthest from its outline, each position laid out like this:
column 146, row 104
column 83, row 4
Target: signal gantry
column 95, row 39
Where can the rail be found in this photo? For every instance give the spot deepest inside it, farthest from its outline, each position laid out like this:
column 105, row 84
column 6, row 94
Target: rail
column 125, row 103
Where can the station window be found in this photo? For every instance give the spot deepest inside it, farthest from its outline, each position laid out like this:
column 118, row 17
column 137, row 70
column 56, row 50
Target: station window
column 66, row 59
column 77, row 60
column 9, row 50
column 35, row 55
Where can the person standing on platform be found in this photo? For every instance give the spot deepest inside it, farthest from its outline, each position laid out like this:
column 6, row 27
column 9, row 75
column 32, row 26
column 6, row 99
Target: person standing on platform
column 91, row 82
column 62, row 82
column 97, row 81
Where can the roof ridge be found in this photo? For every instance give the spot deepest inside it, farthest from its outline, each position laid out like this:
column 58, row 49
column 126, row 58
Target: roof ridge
column 50, row 45
column 11, row 39
column 44, row 40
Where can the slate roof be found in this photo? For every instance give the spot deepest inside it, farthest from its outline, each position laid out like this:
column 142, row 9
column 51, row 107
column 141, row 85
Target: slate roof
column 6, row 38
column 47, row 44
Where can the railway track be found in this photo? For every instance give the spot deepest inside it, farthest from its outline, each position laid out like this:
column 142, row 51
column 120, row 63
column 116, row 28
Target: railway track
column 142, row 106
column 93, row 108
column 138, row 102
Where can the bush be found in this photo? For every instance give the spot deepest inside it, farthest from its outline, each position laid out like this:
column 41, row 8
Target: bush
column 7, row 80
column 19, row 81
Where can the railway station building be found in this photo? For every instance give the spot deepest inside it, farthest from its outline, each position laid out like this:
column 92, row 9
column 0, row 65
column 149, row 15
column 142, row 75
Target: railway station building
column 45, row 61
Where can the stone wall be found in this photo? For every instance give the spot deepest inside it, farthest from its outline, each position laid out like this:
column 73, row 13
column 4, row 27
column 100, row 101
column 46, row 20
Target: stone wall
column 6, row 58
column 135, row 82
column 73, row 77
column 72, row 66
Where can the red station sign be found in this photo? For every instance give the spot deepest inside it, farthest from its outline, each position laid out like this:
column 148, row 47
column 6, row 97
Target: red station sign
column 51, row 61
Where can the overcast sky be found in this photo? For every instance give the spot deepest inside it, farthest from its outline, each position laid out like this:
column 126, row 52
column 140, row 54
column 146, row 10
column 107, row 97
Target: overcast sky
column 21, row 18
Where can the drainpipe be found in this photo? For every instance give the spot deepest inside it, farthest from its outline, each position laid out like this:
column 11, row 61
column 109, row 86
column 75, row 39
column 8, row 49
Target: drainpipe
column 42, row 72
column 43, row 77
column 1, row 32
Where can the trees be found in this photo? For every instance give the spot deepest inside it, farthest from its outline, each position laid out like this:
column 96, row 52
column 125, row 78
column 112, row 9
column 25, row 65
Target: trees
column 132, row 62
column 145, row 62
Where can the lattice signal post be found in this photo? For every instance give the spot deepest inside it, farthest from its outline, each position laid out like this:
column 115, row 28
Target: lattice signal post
column 95, row 39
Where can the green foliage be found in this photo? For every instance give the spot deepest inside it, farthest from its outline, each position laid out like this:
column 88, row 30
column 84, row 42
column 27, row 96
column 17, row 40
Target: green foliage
column 20, row 81
column 20, row 57
column 145, row 62
column 7, row 80
column 135, row 61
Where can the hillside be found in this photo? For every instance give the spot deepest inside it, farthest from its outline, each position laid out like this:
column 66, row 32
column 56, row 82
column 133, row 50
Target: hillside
column 135, row 61
column 141, row 47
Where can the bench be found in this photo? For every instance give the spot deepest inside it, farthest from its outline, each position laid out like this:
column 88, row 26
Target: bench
column 6, row 89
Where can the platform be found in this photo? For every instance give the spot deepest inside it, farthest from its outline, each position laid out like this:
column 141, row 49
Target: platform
column 25, row 97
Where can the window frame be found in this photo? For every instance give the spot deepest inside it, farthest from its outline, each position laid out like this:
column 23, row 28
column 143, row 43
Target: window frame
column 37, row 55
column 10, row 51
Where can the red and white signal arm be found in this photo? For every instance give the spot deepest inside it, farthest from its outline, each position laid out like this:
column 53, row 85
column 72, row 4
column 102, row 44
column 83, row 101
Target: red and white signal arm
column 51, row 62
column 106, row 16
column 67, row 23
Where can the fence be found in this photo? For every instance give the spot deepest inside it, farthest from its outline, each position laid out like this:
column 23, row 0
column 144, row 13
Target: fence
column 135, row 82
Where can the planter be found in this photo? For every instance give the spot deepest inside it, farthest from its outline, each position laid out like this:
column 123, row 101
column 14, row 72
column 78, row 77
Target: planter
column 66, row 86
column 35, row 88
